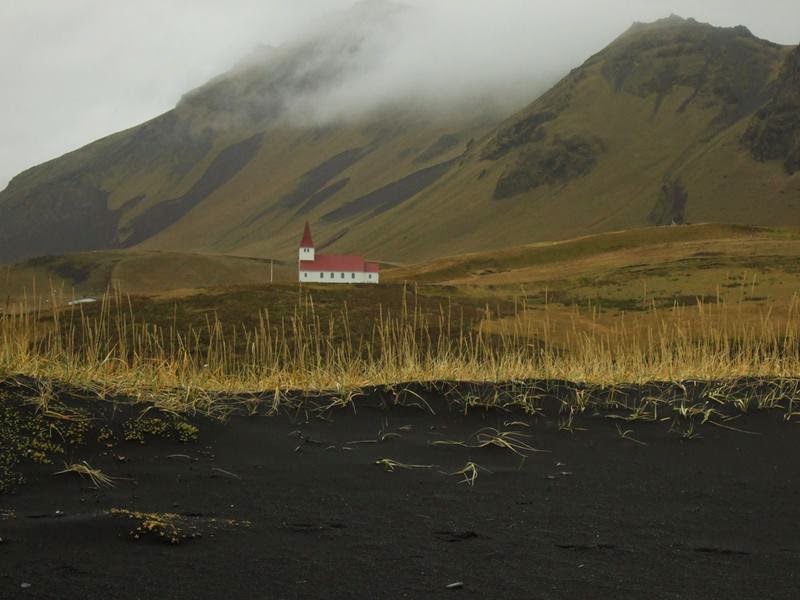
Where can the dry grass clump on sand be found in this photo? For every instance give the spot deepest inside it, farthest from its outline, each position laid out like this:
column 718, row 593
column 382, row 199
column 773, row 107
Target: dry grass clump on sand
column 469, row 473
column 112, row 351
column 513, row 441
column 84, row 469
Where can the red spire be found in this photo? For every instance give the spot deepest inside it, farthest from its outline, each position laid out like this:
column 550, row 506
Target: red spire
column 307, row 242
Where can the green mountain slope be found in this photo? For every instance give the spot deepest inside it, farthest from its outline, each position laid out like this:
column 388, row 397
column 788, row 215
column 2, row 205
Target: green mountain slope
column 242, row 158
column 649, row 131
column 676, row 121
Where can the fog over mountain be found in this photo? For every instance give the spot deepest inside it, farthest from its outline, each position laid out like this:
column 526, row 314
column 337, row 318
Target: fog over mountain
column 76, row 71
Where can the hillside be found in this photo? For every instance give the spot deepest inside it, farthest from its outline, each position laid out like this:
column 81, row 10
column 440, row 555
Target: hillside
column 649, row 131
column 134, row 272
column 614, row 269
column 675, row 121
column 243, row 159
column 691, row 259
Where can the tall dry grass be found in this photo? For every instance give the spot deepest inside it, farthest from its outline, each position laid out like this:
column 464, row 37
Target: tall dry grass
column 113, row 350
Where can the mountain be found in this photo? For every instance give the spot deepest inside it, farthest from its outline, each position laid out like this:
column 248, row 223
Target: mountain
column 665, row 125
column 675, row 121
column 245, row 157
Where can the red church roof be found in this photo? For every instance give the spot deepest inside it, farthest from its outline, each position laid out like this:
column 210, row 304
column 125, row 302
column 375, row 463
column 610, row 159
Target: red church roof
column 334, row 262
column 307, row 242
column 339, row 262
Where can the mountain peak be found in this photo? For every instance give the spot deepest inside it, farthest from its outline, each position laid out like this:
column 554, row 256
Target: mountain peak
column 671, row 20
column 727, row 67
column 679, row 68
column 678, row 23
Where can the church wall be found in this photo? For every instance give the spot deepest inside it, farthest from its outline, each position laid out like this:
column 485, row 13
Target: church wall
column 338, row 277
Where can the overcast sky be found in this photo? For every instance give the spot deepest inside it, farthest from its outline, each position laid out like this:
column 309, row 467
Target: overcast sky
column 76, row 70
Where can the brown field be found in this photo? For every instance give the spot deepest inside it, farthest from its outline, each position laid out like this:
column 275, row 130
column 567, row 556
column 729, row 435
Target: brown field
column 711, row 301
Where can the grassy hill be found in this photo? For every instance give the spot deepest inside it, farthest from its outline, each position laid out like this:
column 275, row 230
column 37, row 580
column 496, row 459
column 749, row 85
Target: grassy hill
column 675, row 121
column 629, row 270
column 136, row 272
column 624, row 270
column 628, row 246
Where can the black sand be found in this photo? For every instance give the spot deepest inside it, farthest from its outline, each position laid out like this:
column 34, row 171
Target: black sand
column 289, row 508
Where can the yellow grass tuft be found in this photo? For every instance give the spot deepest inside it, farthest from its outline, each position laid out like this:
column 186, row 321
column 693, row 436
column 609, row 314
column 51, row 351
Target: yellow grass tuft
column 469, row 473
column 96, row 476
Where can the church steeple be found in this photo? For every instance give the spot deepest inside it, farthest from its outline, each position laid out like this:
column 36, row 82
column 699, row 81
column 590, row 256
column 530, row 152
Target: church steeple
column 307, row 241
column 306, row 252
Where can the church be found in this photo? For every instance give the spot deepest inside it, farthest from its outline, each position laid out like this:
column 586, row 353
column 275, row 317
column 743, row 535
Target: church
column 333, row 268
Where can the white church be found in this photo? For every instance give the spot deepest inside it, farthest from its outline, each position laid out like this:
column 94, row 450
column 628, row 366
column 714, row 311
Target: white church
column 333, row 268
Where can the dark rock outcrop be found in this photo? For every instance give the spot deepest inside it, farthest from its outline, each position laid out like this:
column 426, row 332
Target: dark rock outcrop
column 560, row 161
column 520, row 133
column 528, row 127
column 774, row 132
column 670, row 208
column 728, row 69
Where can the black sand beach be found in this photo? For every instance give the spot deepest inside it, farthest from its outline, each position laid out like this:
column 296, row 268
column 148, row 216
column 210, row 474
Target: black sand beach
column 362, row 502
